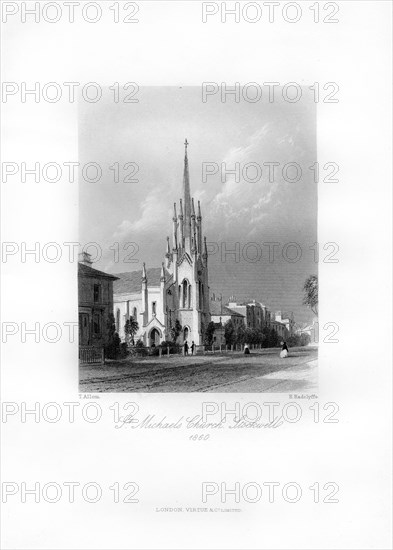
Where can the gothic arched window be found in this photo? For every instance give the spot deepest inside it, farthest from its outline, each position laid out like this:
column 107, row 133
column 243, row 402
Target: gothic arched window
column 134, row 314
column 185, row 293
column 189, row 296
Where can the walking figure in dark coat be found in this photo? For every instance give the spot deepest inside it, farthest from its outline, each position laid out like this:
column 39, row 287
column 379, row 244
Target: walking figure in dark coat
column 185, row 348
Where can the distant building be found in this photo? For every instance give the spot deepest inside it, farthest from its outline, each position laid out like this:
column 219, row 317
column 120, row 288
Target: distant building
column 241, row 309
column 219, row 334
column 256, row 315
column 220, row 313
column 95, row 303
column 280, row 329
column 286, row 319
column 267, row 315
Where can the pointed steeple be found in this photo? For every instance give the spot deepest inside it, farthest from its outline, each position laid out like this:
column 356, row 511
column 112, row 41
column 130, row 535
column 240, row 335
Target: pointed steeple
column 162, row 275
column 181, row 226
column 174, row 235
column 199, row 229
column 204, row 255
column 186, row 195
column 193, row 228
column 144, row 276
column 168, row 254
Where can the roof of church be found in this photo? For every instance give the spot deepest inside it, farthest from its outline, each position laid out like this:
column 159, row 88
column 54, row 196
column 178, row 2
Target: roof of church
column 88, row 271
column 130, row 282
column 217, row 309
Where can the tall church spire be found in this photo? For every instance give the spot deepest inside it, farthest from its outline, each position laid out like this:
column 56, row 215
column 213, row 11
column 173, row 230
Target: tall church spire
column 186, row 196
column 181, row 224
column 174, row 219
column 199, row 229
column 193, row 228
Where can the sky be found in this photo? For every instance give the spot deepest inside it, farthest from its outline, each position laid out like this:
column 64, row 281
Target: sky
column 242, row 213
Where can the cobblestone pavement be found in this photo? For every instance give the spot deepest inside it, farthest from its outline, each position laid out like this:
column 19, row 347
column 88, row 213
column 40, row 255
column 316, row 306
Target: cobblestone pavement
column 261, row 371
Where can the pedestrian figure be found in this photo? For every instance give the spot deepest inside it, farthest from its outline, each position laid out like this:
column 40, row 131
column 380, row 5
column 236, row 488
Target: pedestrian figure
column 284, row 350
column 185, row 348
column 192, row 348
column 246, row 350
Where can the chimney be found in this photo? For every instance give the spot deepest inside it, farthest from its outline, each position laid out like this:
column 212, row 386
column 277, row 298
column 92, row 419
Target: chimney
column 84, row 258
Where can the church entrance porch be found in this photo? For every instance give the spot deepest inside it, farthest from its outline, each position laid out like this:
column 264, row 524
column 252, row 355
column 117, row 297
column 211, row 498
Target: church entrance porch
column 154, row 337
column 186, row 334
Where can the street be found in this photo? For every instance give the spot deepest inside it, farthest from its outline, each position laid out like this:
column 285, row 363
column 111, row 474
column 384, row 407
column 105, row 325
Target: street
column 232, row 372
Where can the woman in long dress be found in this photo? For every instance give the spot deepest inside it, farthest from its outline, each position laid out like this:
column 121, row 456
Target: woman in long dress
column 284, row 350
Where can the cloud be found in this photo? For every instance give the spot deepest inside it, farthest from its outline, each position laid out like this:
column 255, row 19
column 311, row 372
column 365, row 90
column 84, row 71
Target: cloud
column 152, row 213
column 122, row 230
column 238, row 206
column 241, row 202
column 245, row 206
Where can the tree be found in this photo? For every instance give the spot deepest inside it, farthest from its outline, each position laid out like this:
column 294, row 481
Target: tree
column 209, row 333
column 305, row 339
column 229, row 332
column 256, row 336
column 266, row 337
column 247, row 336
column 130, row 329
column 273, row 339
column 311, row 293
column 175, row 330
column 293, row 340
column 240, row 334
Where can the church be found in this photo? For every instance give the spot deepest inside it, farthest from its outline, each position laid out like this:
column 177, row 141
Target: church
column 178, row 290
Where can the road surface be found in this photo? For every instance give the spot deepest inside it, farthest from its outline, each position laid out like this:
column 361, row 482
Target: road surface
column 233, row 372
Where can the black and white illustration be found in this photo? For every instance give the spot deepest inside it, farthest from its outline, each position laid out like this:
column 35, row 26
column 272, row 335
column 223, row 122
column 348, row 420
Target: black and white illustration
column 210, row 280
column 196, row 275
